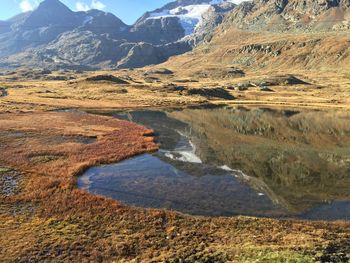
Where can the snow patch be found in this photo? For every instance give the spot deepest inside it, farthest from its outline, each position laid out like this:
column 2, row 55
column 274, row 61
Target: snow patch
column 190, row 16
column 183, row 156
column 226, row 168
column 87, row 20
column 185, row 151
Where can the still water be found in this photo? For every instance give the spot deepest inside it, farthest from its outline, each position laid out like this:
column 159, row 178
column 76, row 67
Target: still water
column 236, row 161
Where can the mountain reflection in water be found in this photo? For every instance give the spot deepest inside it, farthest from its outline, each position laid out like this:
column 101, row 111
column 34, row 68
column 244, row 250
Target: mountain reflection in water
column 259, row 162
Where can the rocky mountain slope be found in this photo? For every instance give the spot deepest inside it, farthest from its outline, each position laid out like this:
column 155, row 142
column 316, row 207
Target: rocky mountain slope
column 54, row 36
column 291, row 15
column 276, row 35
column 256, row 34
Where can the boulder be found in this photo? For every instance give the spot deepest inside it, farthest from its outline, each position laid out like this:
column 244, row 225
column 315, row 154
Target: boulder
column 211, row 93
column 109, row 78
column 266, row 89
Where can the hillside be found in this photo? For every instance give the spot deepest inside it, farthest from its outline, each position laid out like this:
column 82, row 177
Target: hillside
column 253, row 51
column 53, row 36
column 273, row 35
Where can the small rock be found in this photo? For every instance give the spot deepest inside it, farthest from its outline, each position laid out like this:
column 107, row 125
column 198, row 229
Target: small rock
column 266, row 89
column 161, row 71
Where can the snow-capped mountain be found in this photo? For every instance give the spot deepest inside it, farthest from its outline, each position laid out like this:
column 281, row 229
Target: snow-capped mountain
column 189, row 13
column 54, row 36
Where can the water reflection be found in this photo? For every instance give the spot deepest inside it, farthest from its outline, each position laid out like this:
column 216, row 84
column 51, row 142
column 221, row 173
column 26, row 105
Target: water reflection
column 149, row 181
column 303, row 158
column 261, row 162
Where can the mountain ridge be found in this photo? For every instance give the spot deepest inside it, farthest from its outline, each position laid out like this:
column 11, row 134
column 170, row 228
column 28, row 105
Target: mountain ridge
column 97, row 39
column 36, row 38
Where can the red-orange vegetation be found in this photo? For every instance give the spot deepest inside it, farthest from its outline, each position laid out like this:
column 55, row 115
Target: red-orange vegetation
column 64, row 145
column 50, row 220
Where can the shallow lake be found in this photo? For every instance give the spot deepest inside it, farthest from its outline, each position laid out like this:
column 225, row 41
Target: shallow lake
column 236, row 161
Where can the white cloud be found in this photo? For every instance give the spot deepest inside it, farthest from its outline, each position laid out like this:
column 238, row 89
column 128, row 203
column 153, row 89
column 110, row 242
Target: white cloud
column 28, row 5
column 95, row 4
column 79, row 6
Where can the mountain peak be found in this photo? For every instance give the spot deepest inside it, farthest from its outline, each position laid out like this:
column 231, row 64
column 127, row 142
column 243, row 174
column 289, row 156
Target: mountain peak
column 51, row 12
column 53, row 5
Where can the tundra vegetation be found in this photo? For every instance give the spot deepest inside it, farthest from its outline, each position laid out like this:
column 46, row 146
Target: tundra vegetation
column 276, row 54
column 45, row 147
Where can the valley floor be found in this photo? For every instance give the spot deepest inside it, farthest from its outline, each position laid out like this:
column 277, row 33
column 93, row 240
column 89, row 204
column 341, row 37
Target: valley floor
column 43, row 148
column 28, row 90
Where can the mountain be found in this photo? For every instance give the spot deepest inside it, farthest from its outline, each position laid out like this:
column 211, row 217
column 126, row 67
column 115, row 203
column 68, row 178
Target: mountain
column 190, row 14
column 4, row 27
column 255, row 34
column 50, row 13
column 53, row 36
column 275, row 35
column 291, row 15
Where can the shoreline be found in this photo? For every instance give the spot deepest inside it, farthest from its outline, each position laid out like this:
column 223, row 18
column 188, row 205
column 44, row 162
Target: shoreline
column 52, row 219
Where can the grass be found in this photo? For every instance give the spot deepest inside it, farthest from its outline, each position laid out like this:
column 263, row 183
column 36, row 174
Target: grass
column 328, row 89
column 51, row 220
column 273, row 256
column 4, row 170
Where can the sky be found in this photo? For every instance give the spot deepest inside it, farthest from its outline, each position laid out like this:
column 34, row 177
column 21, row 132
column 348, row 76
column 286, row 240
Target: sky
column 127, row 10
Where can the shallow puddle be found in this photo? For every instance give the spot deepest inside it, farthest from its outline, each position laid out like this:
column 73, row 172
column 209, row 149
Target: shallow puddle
column 225, row 162
column 9, row 182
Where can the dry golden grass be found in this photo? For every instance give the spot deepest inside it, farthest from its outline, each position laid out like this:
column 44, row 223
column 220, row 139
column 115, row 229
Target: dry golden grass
column 322, row 59
column 48, row 219
column 80, row 93
column 328, row 89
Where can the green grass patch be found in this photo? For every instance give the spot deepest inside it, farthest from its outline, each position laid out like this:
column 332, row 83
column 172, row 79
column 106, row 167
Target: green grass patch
column 4, row 170
column 276, row 256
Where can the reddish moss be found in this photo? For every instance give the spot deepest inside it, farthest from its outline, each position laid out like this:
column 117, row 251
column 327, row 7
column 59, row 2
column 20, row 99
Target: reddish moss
column 51, row 220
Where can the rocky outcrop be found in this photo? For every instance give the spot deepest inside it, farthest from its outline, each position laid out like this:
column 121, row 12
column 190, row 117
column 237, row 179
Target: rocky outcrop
column 290, row 15
column 157, row 31
column 100, row 23
column 109, row 78
column 211, row 19
column 220, row 73
column 146, row 54
column 211, row 92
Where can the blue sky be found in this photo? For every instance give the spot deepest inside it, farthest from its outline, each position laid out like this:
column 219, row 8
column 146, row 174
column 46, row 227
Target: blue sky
column 127, row 10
